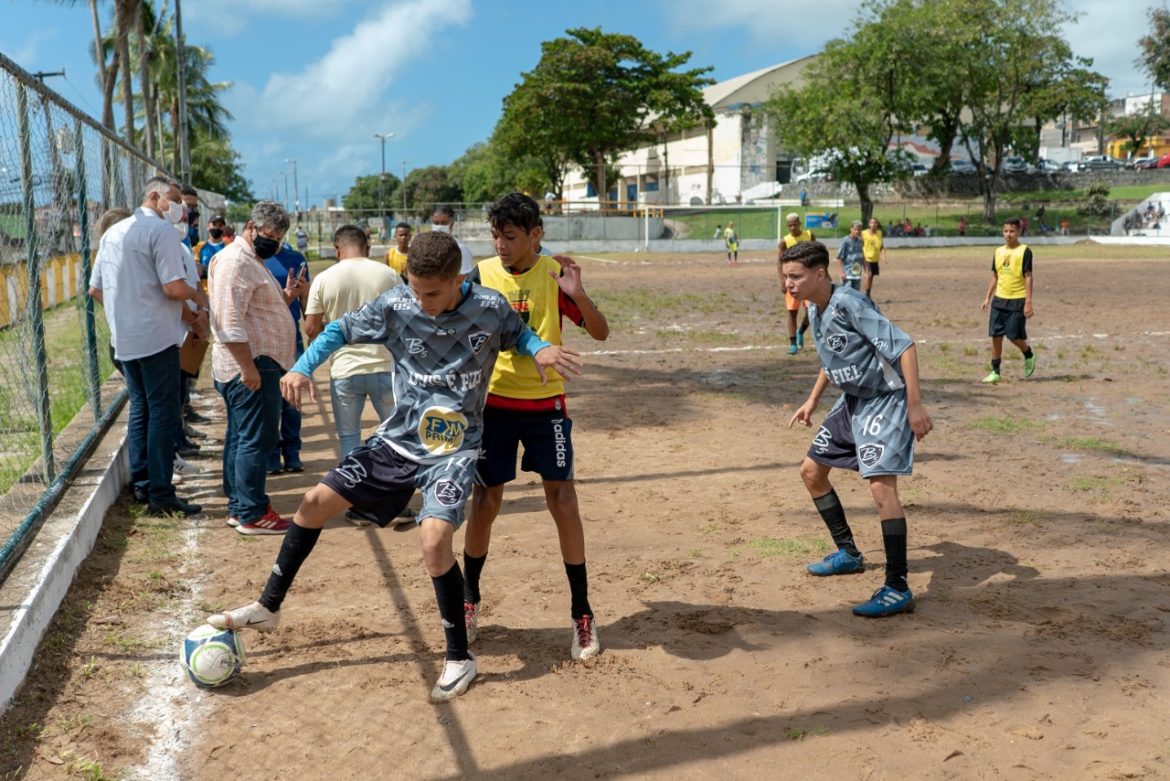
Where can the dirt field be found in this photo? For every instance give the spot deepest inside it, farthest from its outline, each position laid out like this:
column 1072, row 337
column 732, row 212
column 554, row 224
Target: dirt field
column 1037, row 551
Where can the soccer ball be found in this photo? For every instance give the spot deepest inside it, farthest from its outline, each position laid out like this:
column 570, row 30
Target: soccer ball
column 212, row 657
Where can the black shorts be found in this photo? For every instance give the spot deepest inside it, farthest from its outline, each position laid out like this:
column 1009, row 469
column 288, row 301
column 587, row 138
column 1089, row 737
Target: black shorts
column 379, row 481
column 547, row 437
column 1007, row 322
column 874, row 269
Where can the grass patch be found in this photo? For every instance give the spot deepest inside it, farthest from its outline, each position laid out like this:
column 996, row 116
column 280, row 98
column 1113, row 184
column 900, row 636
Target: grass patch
column 1005, row 424
column 1093, row 445
column 1023, row 517
column 771, row 547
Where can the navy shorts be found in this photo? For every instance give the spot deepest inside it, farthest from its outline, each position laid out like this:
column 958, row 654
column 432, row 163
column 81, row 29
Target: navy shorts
column 547, row 437
column 379, row 481
column 874, row 269
column 870, row 436
column 1007, row 322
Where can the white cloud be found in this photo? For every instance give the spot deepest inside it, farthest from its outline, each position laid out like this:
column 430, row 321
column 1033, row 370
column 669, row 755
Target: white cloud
column 1109, row 35
column 784, row 24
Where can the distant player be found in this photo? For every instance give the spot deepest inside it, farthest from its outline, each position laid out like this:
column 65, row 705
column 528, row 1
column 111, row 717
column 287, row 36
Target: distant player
column 1011, row 304
column 875, row 252
column 445, row 335
column 851, row 255
column 732, row 241
column 872, row 427
column 795, row 235
column 396, row 256
column 522, row 410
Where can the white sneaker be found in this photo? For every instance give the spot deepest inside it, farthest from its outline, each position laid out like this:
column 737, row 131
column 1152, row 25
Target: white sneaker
column 253, row 616
column 404, row 518
column 586, row 644
column 456, row 677
column 471, row 620
column 186, row 468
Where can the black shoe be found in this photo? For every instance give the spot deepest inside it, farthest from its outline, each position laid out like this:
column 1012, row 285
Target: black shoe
column 176, row 508
column 292, row 463
column 188, row 450
column 191, row 416
column 192, row 434
column 141, row 497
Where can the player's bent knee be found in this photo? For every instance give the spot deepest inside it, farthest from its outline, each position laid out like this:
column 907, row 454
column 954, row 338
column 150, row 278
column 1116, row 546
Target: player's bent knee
column 318, row 506
column 813, row 474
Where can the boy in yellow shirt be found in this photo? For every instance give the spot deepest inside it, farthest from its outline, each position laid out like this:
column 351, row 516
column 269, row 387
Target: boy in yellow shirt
column 1009, row 297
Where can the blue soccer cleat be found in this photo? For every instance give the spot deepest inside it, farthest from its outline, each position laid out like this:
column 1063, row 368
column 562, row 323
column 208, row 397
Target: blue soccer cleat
column 840, row 562
column 886, row 601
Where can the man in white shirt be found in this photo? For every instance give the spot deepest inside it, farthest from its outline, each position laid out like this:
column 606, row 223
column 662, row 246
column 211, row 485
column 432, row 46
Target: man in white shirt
column 443, row 221
column 140, row 277
column 362, row 371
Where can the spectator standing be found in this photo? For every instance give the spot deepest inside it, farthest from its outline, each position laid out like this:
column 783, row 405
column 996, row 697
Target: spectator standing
column 285, row 263
column 443, row 221
column 205, row 250
column 141, row 280
column 191, row 201
column 396, row 256
column 255, row 342
column 302, row 240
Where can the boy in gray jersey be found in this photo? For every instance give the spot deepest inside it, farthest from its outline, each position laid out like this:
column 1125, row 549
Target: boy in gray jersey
column 872, row 427
column 444, row 335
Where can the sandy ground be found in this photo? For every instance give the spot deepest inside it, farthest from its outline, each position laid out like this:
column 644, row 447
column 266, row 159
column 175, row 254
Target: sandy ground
column 1037, row 551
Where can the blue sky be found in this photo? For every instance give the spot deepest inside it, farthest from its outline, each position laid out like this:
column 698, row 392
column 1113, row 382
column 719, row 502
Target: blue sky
column 313, row 80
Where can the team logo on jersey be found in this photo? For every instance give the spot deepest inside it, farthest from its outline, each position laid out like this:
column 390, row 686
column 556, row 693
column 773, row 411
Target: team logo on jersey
column 836, row 343
column 822, row 440
column 869, row 455
column 416, row 347
column 880, row 344
column 448, row 493
column 441, row 430
column 477, row 340
column 518, row 299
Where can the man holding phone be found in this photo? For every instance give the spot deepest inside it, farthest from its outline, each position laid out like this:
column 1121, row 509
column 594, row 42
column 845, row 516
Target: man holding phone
column 291, row 270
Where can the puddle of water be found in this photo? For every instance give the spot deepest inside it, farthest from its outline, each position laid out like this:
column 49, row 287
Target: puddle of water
column 1070, row 458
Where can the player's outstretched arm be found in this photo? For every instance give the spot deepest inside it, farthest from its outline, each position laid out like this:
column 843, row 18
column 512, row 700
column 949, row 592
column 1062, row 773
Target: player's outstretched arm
column 1028, row 311
column 569, row 281
column 293, row 386
column 805, row 411
column 565, row 360
column 916, row 415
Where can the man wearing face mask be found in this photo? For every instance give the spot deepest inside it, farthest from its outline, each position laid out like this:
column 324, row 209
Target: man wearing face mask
column 215, row 242
column 191, row 201
column 255, row 342
column 141, row 279
column 443, row 221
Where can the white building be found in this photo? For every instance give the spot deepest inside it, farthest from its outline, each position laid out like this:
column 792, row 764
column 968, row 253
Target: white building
column 703, row 166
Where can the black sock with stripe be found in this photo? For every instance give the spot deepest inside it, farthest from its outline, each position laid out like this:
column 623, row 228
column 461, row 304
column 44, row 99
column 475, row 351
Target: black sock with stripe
column 833, row 514
column 449, row 595
column 294, row 549
column 894, row 539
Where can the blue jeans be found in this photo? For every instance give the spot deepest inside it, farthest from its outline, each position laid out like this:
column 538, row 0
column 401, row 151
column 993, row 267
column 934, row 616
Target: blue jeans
column 153, row 386
column 253, row 429
column 290, row 426
column 349, row 396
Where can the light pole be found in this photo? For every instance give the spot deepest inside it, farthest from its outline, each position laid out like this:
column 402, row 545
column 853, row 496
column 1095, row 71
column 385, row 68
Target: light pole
column 296, row 188
column 382, row 179
column 404, row 162
column 285, row 174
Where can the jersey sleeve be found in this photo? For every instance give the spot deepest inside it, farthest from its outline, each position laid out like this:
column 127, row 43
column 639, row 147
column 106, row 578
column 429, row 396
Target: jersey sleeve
column 887, row 339
column 372, row 324
column 569, row 309
column 1027, row 261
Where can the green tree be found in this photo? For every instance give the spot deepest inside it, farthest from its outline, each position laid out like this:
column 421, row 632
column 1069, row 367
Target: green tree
column 217, row 167
column 1154, row 48
column 484, row 174
column 1137, row 129
column 594, row 95
column 428, row 186
column 363, row 196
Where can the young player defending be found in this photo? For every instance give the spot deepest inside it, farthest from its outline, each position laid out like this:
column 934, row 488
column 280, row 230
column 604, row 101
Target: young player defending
column 523, row 410
column 871, row 428
column 875, row 252
column 445, row 335
column 1011, row 304
column 731, row 238
column 796, row 235
column 851, row 256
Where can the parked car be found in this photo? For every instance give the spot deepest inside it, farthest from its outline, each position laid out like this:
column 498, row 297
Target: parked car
column 1137, row 163
column 1016, row 165
column 963, row 167
column 1048, row 166
column 1072, row 166
column 1163, row 161
column 1148, row 164
column 1100, row 163
column 918, row 169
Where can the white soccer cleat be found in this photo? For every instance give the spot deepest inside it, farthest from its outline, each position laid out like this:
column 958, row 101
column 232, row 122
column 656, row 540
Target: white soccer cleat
column 456, row 677
column 586, row 644
column 253, row 616
column 471, row 620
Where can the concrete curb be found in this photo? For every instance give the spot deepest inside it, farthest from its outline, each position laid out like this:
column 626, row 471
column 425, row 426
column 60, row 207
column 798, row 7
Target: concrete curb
column 32, row 593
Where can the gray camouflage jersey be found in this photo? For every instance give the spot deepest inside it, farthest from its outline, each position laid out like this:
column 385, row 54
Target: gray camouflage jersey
column 442, row 366
column 858, row 347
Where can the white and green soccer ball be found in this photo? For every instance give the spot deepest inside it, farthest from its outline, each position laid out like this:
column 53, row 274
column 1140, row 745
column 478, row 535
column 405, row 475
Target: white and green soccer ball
column 212, row 657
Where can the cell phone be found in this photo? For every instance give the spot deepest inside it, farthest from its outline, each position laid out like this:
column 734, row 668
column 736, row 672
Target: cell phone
column 303, row 271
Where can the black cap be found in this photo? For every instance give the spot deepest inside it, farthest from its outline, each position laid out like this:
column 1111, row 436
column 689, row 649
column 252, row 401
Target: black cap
column 217, row 218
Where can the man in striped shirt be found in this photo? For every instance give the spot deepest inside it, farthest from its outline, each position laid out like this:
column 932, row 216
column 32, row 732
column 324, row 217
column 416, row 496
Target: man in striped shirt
column 255, row 343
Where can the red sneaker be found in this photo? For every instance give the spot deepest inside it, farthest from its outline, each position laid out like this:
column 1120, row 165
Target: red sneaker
column 268, row 523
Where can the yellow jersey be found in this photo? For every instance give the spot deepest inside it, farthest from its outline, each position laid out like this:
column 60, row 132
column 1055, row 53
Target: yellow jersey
column 1011, row 266
column 396, row 260
column 871, row 245
column 791, row 241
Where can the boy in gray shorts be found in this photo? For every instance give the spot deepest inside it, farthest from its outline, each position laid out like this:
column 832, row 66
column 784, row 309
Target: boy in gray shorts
column 872, row 427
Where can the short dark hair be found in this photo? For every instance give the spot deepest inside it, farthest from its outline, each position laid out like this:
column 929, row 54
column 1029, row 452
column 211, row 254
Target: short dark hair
column 444, row 208
column 514, row 209
column 352, row 236
column 401, row 225
column 188, row 190
column 809, row 254
column 1014, row 221
column 434, row 255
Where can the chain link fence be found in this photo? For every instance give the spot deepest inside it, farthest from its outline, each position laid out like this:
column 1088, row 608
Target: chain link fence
column 59, row 171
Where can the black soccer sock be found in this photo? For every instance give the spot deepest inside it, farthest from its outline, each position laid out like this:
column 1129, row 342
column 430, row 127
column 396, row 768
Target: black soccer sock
column 804, row 325
column 449, row 595
column 792, row 340
column 894, row 539
column 995, row 365
column 1028, row 352
column 294, row 549
column 833, row 514
column 472, row 568
column 578, row 590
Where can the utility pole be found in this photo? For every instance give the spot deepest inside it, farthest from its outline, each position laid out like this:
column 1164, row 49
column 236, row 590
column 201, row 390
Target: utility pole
column 285, row 173
column 296, row 188
column 181, row 55
column 382, row 179
column 404, row 162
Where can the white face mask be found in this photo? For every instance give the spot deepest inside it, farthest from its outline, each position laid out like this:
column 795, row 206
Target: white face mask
column 174, row 212
column 440, row 228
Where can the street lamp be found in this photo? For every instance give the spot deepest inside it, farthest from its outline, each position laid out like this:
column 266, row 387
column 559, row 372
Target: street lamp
column 404, row 162
column 382, row 179
column 296, row 188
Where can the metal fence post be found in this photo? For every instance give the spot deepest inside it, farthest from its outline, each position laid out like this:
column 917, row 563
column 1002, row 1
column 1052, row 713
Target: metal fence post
column 36, row 314
column 91, row 357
